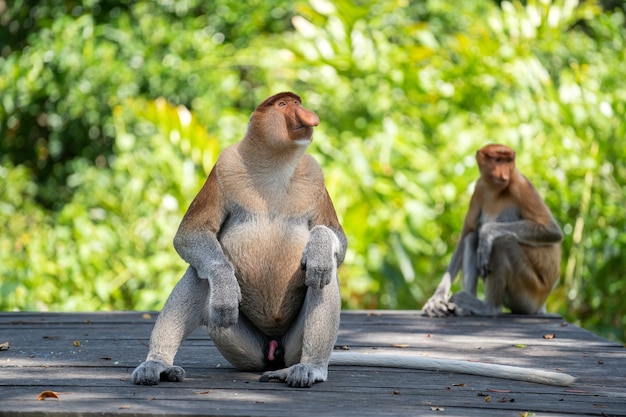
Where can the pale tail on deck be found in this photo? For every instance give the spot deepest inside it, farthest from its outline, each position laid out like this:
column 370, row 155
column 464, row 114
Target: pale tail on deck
column 450, row 365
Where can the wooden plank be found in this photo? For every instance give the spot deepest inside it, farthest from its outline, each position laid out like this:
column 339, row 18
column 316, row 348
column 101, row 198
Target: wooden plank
column 88, row 357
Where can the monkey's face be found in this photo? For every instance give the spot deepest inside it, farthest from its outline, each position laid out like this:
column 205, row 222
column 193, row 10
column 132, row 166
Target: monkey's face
column 282, row 119
column 299, row 121
column 496, row 164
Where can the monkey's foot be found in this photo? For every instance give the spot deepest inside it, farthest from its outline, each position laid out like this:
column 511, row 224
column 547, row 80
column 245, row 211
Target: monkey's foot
column 465, row 304
column 301, row 375
column 151, row 372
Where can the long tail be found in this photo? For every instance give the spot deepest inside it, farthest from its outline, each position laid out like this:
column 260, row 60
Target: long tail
column 450, row 365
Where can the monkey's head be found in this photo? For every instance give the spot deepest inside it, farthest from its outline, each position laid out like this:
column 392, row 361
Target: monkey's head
column 281, row 120
column 497, row 165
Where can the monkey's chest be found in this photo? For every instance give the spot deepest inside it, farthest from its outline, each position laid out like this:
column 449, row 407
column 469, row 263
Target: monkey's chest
column 266, row 254
column 501, row 214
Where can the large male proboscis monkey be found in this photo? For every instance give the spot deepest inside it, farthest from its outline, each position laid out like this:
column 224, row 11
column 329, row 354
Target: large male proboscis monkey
column 509, row 238
column 263, row 244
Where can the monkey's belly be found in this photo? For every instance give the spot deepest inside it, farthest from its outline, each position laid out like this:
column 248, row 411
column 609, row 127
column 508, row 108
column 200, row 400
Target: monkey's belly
column 266, row 255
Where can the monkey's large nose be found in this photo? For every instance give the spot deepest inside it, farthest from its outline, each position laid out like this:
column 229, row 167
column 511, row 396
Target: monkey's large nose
column 307, row 117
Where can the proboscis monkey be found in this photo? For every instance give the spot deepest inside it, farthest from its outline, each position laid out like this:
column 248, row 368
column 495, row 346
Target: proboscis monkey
column 263, row 244
column 509, row 238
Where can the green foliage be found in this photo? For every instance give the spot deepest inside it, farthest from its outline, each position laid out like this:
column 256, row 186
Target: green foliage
column 105, row 109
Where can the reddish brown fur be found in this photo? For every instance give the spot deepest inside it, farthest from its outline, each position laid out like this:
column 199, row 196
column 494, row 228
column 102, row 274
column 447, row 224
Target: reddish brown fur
column 507, row 212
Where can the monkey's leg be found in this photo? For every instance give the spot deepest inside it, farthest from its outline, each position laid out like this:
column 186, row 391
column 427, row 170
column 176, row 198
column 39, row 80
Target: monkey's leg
column 310, row 341
column 531, row 274
column 185, row 309
column 241, row 344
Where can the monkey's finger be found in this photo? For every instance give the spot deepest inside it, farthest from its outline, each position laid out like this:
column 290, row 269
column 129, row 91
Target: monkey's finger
column 317, row 278
column 280, row 375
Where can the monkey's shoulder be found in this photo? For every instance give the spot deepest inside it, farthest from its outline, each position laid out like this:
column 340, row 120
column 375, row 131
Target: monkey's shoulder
column 309, row 171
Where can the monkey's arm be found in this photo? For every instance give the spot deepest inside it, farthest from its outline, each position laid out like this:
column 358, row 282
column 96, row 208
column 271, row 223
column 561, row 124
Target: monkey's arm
column 536, row 227
column 196, row 242
column 326, row 248
column 437, row 305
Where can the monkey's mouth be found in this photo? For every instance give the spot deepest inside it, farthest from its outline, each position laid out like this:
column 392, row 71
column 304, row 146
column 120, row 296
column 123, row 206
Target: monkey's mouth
column 501, row 183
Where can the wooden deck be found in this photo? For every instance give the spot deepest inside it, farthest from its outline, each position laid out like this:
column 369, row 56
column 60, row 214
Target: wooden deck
column 87, row 359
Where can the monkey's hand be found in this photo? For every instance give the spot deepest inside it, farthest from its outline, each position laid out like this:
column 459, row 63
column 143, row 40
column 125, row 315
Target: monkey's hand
column 151, row 372
column 319, row 258
column 438, row 304
column 225, row 295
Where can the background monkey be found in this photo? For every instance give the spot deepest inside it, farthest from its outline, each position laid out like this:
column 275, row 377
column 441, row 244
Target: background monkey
column 263, row 245
column 509, row 238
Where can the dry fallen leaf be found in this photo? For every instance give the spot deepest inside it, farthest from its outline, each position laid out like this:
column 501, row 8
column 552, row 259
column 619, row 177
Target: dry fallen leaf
column 395, row 392
column 124, row 407
column 4, row 346
column 399, row 345
column 202, row 392
column 549, row 336
column 47, row 394
column 76, row 343
column 506, row 400
column 458, row 385
column 488, row 399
